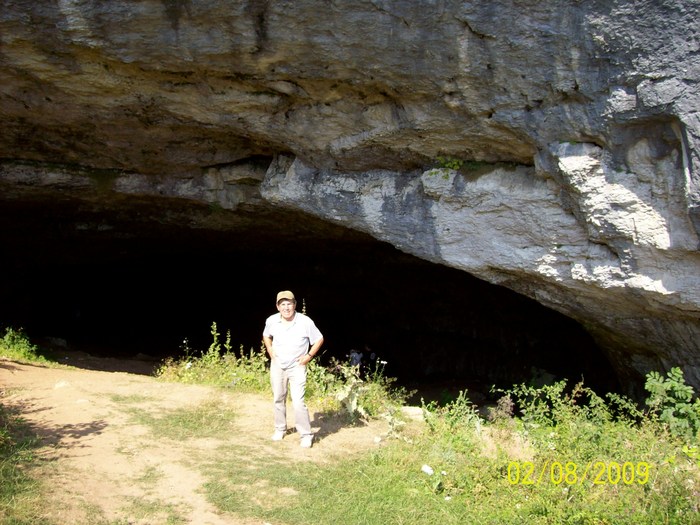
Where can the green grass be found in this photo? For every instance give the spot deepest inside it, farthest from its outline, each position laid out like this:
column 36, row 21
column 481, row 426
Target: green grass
column 20, row 494
column 456, row 470
column 150, row 511
column 386, row 486
column 547, row 455
column 149, row 477
column 210, row 419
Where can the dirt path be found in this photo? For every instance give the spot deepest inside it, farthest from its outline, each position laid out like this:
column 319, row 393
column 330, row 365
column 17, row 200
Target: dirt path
column 102, row 467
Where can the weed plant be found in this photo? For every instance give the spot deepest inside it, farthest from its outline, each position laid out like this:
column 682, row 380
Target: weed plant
column 15, row 344
column 245, row 371
column 671, row 402
column 595, row 459
column 347, row 388
column 338, row 387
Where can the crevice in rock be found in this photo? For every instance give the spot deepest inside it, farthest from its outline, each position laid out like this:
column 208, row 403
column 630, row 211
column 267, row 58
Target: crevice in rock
column 174, row 10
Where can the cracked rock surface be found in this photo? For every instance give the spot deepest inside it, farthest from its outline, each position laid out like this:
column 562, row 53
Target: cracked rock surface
column 573, row 128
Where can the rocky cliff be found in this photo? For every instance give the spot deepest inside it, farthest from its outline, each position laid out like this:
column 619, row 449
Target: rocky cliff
column 552, row 148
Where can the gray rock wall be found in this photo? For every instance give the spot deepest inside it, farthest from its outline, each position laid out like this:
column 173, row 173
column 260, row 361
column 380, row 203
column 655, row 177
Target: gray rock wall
column 618, row 255
column 577, row 122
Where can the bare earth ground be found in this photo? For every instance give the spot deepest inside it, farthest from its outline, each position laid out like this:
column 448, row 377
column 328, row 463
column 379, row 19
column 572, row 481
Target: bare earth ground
column 100, row 465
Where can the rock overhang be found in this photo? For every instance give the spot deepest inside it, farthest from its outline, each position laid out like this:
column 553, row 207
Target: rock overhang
column 123, row 274
column 594, row 113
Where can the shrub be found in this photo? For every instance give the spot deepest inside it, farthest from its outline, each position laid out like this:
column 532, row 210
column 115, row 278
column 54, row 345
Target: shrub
column 671, row 401
column 456, row 426
column 16, row 345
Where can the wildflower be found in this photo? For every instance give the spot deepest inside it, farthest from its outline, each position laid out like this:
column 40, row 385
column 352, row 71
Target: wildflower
column 188, row 365
column 428, row 470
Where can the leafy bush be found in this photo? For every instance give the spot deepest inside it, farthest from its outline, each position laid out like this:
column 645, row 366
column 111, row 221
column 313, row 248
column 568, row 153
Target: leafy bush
column 16, row 345
column 572, row 425
column 459, row 414
column 369, row 394
column 322, row 384
column 559, row 431
column 671, row 401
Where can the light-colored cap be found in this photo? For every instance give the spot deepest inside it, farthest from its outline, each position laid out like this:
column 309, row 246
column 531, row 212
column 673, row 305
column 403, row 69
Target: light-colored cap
column 286, row 294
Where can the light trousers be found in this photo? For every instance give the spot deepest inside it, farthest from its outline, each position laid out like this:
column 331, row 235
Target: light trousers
column 293, row 378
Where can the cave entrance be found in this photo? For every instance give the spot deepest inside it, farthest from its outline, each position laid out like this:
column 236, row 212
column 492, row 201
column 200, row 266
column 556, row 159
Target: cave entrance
column 133, row 278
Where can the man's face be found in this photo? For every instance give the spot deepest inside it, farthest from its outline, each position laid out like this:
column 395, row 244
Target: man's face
column 286, row 308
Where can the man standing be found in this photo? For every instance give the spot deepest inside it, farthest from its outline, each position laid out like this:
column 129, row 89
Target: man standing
column 287, row 336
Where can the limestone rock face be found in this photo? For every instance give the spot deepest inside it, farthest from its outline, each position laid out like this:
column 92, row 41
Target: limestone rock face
column 616, row 253
column 576, row 122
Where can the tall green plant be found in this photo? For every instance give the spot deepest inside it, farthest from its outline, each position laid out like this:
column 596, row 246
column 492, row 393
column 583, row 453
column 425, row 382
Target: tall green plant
column 671, row 400
column 242, row 370
column 15, row 344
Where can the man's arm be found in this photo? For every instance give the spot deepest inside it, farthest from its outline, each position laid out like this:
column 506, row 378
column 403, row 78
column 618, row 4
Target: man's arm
column 267, row 341
column 303, row 360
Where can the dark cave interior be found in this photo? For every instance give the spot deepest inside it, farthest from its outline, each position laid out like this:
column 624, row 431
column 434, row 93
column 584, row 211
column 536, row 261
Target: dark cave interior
column 125, row 277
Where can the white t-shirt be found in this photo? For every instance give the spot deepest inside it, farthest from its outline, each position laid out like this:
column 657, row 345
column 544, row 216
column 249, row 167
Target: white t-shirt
column 290, row 341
